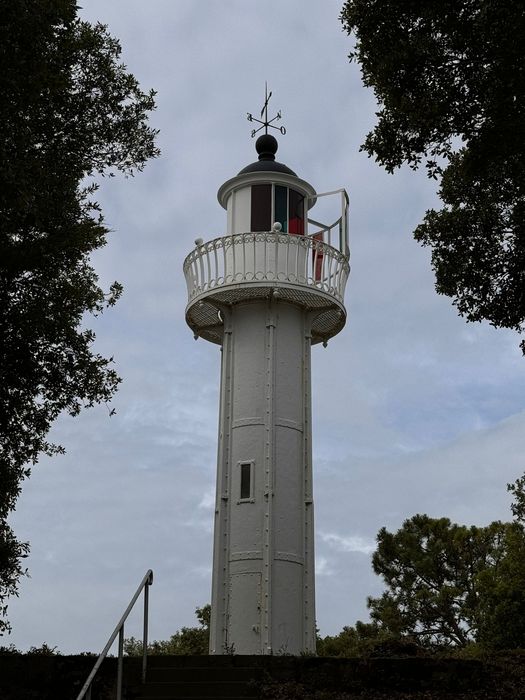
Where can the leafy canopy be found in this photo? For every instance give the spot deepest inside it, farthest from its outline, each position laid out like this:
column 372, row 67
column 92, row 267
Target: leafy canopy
column 359, row 640
column 69, row 111
column 449, row 77
column 518, row 505
column 449, row 585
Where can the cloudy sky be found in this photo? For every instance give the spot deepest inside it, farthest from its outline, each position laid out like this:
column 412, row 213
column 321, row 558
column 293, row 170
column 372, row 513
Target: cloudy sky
column 414, row 410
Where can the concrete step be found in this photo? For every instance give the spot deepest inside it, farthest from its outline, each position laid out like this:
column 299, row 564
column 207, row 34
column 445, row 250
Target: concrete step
column 215, row 689
column 210, row 661
column 188, row 674
column 192, row 697
column 171, row 678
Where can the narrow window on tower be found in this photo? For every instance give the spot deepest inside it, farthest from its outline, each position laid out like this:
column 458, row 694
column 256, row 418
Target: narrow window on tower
column 246, row 479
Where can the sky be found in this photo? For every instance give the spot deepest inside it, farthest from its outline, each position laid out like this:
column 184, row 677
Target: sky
column 414, row 410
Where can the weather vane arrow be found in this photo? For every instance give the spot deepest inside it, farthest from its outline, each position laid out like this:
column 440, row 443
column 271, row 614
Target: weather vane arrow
column 264, row 113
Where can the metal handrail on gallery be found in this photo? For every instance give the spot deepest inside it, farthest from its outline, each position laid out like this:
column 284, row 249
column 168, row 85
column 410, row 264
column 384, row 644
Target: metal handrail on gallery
column 266, row 257
column 119, row 630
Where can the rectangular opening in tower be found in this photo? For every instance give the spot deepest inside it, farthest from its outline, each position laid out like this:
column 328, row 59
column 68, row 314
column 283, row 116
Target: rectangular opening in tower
column 246, row 481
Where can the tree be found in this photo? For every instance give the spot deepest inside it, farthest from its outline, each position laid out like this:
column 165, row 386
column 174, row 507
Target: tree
column 69, row 111
column 501, row 623
column 11, row 553
column 449, row 78
column 188, row 641
column 518, row 506
column 358, row 640
column 432, row 570
column 502, row 588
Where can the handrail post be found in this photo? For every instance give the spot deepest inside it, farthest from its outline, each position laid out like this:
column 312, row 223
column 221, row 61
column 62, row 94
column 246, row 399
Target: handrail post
column 145, row 633
column 120, row 661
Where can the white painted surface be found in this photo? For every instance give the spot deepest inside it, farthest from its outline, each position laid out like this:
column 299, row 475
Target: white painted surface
column 239, row 210
column 263, row 579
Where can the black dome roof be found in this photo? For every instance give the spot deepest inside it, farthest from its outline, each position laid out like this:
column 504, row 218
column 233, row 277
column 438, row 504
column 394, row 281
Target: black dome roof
column 266, row 146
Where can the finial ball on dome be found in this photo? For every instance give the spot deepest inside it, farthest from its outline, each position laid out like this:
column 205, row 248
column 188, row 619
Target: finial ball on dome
column 266, row 146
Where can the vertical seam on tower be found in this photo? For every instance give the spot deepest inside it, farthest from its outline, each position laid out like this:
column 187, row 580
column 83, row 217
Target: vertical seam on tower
column 226, row 492
column 218, row 600
column 308, row 496
column 269, row 459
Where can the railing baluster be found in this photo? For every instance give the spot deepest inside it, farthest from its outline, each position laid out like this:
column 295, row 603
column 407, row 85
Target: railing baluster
column 201, row 270
column 339, row 277
column 195, row 267
column 207, row 253
column 287, row 268
column 330, row 273
column 306, row 258
column 265, row 258
column 276, row 263
column 216, row 259
column 254, row 257
column 225, row 262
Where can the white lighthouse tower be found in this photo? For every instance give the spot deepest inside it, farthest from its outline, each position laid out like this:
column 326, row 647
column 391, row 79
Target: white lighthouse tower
column 266, row 291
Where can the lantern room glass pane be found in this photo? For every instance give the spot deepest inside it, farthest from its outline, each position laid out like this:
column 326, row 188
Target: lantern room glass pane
column 261, row 215
column 296, row 213
column 281, row 206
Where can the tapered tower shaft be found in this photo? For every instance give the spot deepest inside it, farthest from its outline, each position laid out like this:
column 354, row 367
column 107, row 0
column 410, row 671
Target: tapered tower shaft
column 263, row 549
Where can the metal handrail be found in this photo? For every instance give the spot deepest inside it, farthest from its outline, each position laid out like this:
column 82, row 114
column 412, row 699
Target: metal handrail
column 341, row 222
column 261, row 257
column 119, row 629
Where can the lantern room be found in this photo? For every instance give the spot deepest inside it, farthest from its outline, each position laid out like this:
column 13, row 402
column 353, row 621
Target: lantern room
column 266, row 193
column 271, row 247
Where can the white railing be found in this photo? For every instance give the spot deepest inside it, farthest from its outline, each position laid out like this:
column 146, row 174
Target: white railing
column 252, row 258
column 335, row 234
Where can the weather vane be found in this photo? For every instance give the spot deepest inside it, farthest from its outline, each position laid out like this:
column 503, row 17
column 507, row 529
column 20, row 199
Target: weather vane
column 264, row 112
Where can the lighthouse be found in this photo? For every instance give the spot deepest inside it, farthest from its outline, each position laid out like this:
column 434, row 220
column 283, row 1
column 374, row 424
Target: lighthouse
column 265, row 292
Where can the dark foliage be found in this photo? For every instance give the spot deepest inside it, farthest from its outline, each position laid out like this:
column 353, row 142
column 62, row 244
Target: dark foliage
column 360, row 640
column 427, row 677
column 188, row 641
column 518, row 506
column 449, row 77
column 69, row 110
column 501, row 623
